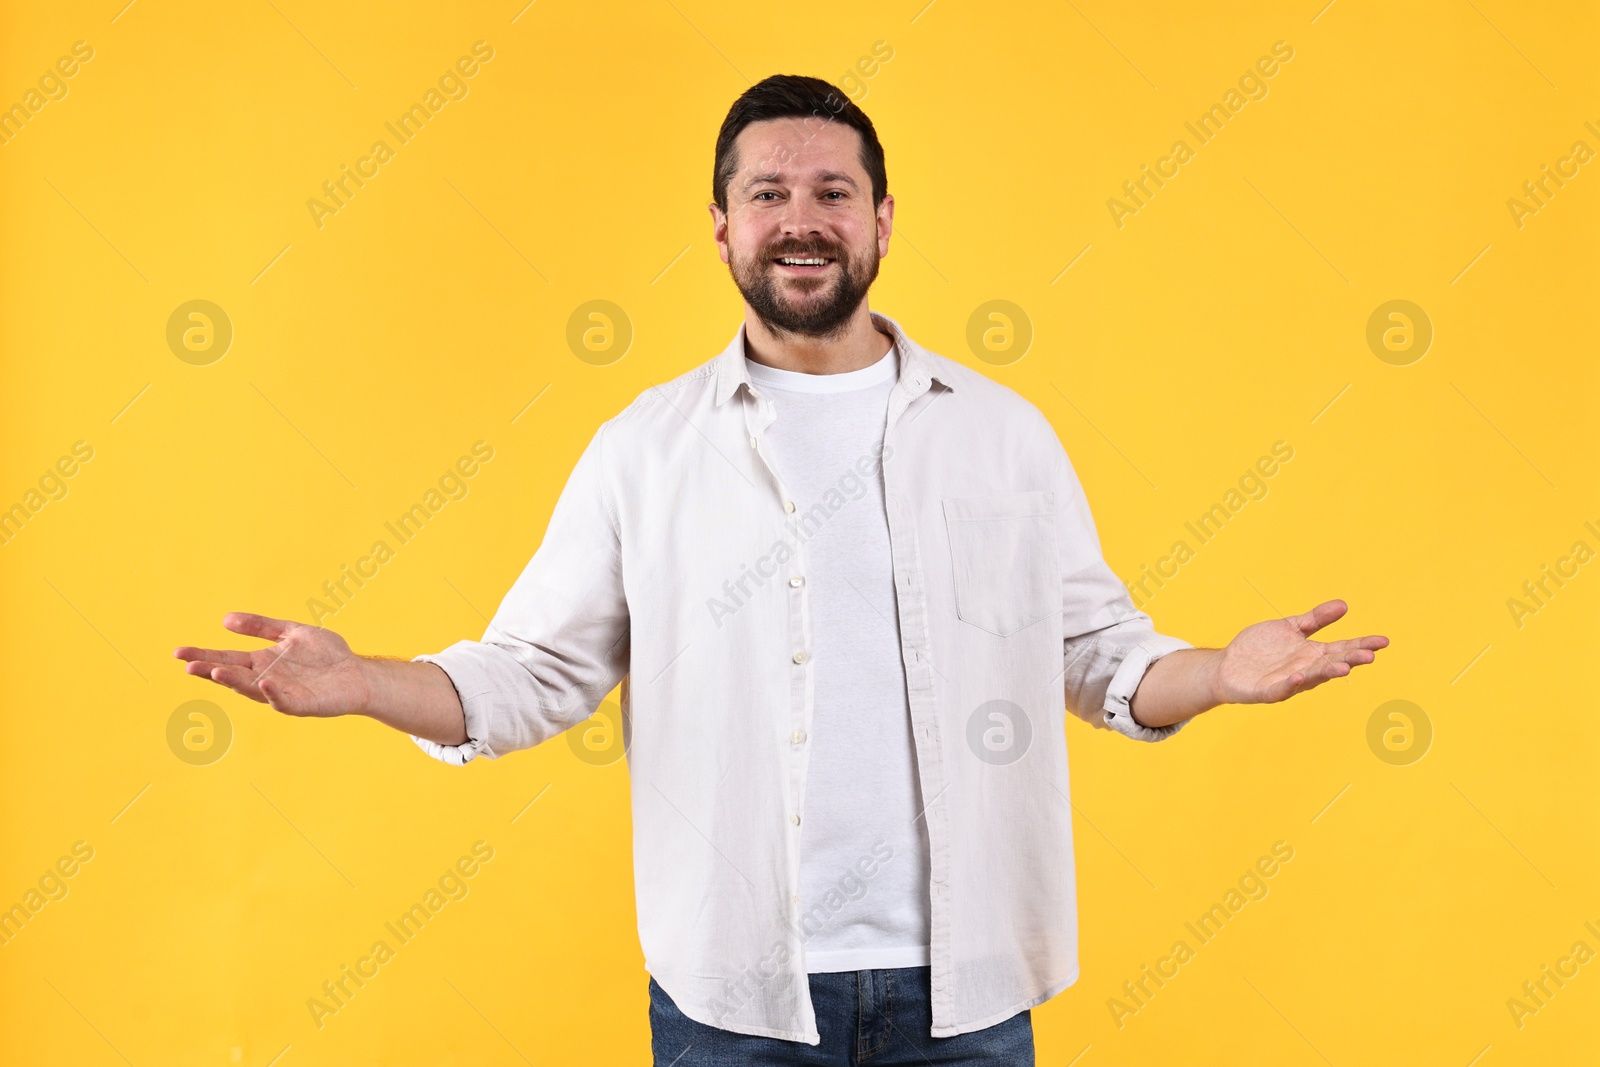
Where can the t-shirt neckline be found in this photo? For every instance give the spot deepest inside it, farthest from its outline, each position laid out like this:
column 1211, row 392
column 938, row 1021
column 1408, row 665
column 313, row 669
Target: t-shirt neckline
column 847, row 381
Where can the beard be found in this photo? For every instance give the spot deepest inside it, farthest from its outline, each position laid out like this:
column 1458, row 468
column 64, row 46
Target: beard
column 807, row 306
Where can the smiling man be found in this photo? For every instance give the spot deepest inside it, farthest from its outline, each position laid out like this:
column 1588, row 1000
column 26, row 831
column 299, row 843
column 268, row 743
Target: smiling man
column 850, row 588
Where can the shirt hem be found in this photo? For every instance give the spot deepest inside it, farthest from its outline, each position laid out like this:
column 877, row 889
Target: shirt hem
column 866, row 959
column 705, row 1019
column 1005, row 1013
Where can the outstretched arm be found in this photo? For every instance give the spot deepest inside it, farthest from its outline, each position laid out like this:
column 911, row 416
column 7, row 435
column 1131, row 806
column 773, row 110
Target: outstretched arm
column 1267, row 662
column 312, row 671
column 557, row 645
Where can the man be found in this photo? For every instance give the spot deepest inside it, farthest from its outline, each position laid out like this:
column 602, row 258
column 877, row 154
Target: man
column 848, row 587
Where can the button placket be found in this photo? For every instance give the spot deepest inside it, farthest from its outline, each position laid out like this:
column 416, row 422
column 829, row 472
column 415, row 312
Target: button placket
column 756, row 423
column 800, row 702
column 914, row 636
column 765, row 416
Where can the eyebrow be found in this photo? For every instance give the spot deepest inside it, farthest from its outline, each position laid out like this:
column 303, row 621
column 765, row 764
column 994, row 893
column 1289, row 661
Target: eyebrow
column 825, row 176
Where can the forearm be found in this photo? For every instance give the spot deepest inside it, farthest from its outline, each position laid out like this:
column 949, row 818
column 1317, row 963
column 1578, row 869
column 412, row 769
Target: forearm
column 418, row 698
column 1176, row 687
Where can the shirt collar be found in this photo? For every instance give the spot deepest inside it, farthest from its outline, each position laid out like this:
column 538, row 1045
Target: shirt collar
column 917, row 366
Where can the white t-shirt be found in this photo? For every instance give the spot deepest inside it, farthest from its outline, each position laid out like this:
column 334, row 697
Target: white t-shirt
column 864, row 846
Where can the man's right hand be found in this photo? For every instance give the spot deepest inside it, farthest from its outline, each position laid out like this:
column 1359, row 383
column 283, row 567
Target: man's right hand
column 308, row 671
column 311, row 671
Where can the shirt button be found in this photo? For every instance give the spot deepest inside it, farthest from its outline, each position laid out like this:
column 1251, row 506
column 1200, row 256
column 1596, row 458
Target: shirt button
column 752, row 442
column 795, row 819
column 794, row 898
column 799, row 657
column 797, row 581
column 788, row 505
column 798, row 737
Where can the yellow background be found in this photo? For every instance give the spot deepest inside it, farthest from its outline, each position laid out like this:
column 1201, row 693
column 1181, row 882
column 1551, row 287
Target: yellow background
column 370, row 353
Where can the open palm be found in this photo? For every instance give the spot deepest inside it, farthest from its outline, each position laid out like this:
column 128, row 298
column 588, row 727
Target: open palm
column 308, row 671
column 1272, row 661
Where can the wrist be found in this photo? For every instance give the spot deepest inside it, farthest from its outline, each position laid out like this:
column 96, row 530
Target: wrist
column 1216, row 693
column 374, row 682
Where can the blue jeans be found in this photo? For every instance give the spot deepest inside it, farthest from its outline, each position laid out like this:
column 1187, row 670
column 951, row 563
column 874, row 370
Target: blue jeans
column 879, row 1017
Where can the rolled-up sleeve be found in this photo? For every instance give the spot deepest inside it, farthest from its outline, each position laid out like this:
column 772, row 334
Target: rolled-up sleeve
column 559, row 641
column 1108, row 643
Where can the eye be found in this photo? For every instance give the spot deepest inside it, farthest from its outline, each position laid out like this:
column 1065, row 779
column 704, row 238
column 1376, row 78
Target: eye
column 835, row 192
column 764, row 192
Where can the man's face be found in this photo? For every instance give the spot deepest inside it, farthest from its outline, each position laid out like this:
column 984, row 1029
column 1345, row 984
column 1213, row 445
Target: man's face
column 800, row 192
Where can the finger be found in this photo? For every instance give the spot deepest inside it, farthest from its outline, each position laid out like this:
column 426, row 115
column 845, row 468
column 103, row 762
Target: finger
column 213, row 655
column 1321, row 671
column 1282, row 689
column 275, row 693
column 1361, row 650
column 240, row 681
column 271, row 691
column 217, row 674
column 1324, row 613
column 262, row 626
column 1372, row 642
column 1302, row 680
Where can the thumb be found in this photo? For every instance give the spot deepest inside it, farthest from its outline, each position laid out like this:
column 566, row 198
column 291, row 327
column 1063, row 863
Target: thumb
column 272, row 690
column 1324, row 613
column 1284, row 688
column 262, row 626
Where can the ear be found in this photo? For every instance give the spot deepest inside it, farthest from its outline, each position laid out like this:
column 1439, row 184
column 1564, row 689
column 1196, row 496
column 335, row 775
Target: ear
column 719, row 230
column 885, row 222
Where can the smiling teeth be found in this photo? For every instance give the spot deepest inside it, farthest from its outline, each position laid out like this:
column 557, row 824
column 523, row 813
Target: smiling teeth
column 789, row 262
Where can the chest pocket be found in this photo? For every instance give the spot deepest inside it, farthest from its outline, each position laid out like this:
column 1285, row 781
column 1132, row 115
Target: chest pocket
column 1003, row 553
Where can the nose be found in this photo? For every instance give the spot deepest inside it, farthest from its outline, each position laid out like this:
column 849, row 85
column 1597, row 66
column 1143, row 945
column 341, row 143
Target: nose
column 801, row 218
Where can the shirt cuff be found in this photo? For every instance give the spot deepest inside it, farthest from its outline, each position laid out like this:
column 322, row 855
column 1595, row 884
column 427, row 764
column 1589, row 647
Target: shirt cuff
column 464, row 674
column 1118, row 712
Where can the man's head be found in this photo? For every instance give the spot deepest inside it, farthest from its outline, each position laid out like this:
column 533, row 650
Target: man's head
column 799, row 173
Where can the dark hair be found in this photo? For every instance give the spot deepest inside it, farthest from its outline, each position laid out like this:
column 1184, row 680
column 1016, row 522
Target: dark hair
column 795, row 96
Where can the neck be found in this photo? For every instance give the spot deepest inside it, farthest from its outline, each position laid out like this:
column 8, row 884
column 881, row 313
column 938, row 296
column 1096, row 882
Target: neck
column 857, row 344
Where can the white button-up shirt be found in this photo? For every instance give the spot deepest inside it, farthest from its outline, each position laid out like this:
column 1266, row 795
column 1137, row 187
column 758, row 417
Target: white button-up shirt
column 675, row 563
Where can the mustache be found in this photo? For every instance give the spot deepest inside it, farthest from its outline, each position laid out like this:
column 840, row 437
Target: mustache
column 826, row 251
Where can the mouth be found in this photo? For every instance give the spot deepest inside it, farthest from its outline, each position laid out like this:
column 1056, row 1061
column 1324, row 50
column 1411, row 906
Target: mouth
column 802, row 265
